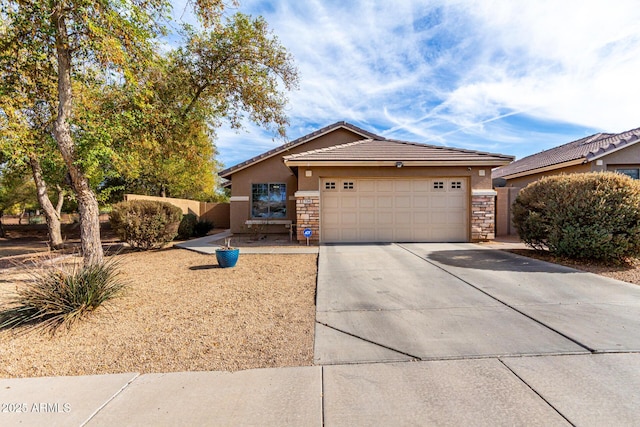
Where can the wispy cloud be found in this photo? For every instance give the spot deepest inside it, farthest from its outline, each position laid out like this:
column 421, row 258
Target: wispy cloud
column 495, row 75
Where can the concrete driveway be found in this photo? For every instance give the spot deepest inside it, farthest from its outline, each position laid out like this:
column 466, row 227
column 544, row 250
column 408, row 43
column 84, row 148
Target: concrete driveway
column 495, row 335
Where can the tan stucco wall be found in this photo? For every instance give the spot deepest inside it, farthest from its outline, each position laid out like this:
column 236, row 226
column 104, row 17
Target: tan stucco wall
column 187, row 206
column 313, row 183
column 526, row 180
column 273, row 170
column 623, row 159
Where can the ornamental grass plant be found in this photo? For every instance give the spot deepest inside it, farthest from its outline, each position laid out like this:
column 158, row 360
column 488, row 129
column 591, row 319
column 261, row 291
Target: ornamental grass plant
column 54, row 296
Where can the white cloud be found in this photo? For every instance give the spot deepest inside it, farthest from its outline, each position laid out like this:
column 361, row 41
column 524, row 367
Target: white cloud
column 456, row 72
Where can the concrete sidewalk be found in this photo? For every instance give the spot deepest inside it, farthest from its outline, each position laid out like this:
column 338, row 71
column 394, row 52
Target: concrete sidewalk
column 586, row 390
column 206, row 245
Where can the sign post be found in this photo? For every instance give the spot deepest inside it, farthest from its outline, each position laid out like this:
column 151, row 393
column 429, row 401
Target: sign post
column 307, row 233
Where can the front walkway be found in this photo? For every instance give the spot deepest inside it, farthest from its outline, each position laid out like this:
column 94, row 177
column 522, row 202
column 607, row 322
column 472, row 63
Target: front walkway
column 209, row 244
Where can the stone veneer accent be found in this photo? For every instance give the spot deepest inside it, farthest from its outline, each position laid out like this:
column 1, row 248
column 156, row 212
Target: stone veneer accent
column 483, row 210
column 308, row 214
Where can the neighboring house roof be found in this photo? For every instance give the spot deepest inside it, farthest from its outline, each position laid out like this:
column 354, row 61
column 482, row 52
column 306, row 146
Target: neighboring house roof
column 576, row 152
column 285, row 147
column 384, row 152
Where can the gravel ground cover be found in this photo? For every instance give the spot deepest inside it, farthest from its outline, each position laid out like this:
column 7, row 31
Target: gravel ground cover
column 629, row 272
column 181, row 312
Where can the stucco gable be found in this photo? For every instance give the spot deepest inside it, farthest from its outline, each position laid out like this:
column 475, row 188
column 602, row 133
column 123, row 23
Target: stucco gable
column 297, row 143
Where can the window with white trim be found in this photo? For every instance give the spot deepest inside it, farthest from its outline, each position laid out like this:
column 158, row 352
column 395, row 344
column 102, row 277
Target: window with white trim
column 455, row 185
column 269, row 200
column 438, row 185
column 348, row 185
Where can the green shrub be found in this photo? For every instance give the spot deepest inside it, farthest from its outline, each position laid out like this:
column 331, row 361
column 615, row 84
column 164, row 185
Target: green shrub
column 187, row 226
column 202, row 227
column 581, row 216
column 56, row 296
column 145, row 224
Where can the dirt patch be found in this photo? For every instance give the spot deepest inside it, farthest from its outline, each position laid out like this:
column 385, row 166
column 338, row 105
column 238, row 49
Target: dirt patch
column 629, row 272
column 181, row 313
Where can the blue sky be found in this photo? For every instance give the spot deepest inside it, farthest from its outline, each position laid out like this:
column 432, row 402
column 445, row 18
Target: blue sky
column 507, row 76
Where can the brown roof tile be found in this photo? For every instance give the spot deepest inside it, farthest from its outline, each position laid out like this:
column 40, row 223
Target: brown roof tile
column 586, row 148
column 393, row 150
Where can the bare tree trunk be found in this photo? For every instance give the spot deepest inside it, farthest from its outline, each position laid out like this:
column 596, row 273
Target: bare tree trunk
column 60, row 202
column 87, row 203
column 50, row 213
column 2, row 232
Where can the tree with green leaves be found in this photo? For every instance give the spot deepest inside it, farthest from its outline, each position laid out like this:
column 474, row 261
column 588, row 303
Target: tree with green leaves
column 232, row 67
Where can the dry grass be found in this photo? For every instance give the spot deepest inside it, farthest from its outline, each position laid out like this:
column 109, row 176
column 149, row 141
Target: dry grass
column 181, row 313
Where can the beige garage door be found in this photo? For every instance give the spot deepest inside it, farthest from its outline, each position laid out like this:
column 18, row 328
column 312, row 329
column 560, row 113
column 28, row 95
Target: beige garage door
column 394, row 210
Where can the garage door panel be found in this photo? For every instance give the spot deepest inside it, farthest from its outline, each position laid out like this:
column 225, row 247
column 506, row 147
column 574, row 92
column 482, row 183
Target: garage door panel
column 384, row 186
column 384, row 218
column 367, row 202
column 388, row 210
column 439, row 200
column 367, row 218
column 330, row 202
column 384, row 202
column 421, row 219
column 457, row 202
column 349, row 218
column 349, row 235
column 403, row 186
column 421, row 201
column 403, row 202
column 366, row 186
column 403, row 219
column 349, row 202
column 384, row 235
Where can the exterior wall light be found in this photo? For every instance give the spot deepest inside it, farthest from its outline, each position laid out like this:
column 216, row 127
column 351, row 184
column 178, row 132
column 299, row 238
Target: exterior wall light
column 399, row 164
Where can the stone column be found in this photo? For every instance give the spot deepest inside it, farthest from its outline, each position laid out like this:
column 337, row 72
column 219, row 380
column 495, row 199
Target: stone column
column 483, row 208
column 308, row 214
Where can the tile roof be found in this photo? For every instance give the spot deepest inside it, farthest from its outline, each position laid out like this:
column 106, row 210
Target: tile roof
column 587, row 148
column 393, row 150
column 282, row 148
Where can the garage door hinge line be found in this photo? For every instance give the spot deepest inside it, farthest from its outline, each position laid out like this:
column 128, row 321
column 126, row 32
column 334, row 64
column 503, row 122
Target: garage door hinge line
column 369, row 341
column 573, row 340
column 536, row 392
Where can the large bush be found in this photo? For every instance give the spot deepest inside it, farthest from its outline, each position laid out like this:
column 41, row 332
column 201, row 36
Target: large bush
column 191, row 226
column 581, row 216
column 145, row 224
column 187, row 226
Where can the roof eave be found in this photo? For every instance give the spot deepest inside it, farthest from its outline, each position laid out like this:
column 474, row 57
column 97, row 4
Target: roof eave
column 545, row 169
column 393, row 163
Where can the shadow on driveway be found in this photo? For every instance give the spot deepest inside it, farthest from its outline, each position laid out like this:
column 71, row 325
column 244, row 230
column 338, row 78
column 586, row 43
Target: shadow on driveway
column 483, row 259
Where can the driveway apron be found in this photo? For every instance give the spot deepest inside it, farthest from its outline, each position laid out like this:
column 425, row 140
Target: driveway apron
column 389, row 302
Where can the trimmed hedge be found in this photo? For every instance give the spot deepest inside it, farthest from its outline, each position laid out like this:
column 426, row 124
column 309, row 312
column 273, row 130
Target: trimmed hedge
column 582, row 216
column 191, row 226
column 187, row 226
column 145, row 224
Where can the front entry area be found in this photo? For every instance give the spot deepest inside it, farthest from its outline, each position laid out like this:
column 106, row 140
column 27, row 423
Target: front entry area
column 394, row 210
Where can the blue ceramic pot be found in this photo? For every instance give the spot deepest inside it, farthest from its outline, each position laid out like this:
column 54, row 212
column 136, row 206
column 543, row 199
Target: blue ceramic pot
column 227, row 257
